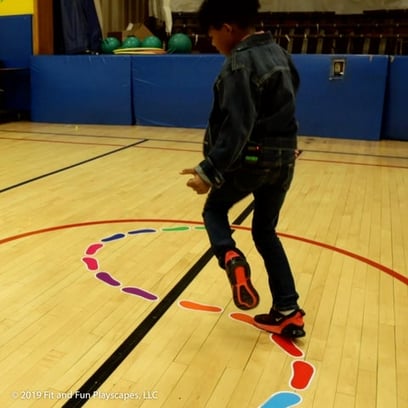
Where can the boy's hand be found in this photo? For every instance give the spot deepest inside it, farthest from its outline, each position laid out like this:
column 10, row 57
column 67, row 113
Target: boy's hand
column 196, row 182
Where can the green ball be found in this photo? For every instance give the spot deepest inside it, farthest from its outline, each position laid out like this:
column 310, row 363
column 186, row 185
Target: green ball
column 110, row 44
column 131, row 42
column 152, row 42
column 180, row 44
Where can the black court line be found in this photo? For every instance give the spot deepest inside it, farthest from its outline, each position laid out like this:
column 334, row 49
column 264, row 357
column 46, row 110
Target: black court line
column 200, row 142
column 81, row 396
column 71, row 166
column 93, row 136
column 380, row 156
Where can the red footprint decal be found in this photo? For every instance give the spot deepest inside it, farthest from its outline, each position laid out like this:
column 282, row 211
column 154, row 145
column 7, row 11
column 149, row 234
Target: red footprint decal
column 287, row 345
column 93, row 249
column 91, row 263
column 302, row 374
column 200, row 306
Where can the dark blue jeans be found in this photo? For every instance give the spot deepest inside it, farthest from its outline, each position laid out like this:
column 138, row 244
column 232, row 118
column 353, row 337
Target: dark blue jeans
column 269, row 188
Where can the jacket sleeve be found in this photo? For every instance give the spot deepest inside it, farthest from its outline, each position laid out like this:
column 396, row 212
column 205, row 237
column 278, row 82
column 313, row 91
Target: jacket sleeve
column 237, row 110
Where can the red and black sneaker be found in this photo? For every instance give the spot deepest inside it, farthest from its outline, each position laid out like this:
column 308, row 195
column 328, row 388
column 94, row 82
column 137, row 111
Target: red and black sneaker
column 290, row 325
column 239, row 274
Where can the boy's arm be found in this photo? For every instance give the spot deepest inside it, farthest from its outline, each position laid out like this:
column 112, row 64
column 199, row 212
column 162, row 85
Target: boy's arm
column 237, row 106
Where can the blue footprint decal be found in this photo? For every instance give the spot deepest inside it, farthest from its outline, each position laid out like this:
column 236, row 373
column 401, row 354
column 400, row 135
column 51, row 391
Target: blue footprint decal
column 284, row 399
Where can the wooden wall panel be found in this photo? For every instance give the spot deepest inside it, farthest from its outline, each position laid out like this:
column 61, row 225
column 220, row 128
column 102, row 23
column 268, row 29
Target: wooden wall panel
column 43, row 27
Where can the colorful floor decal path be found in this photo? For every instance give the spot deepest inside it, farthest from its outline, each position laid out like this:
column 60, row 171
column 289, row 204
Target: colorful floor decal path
column 302, row 371
column 93, row 265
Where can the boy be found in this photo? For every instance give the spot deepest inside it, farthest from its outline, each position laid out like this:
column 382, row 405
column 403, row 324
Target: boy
column 249, row 148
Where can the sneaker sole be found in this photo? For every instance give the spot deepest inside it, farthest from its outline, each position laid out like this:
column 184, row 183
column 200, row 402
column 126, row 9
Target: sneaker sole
column 244, row 294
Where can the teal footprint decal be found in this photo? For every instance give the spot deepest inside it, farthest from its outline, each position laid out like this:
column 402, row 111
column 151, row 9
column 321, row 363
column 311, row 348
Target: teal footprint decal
column 284, row 399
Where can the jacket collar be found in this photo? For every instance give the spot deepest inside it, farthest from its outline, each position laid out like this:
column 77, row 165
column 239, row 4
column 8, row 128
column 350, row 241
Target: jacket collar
column 254, row 40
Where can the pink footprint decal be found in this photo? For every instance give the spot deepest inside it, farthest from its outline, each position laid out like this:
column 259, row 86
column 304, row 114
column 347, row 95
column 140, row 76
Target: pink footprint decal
column 302, row 374
column 93, row 249
column 287, row 345
column 140, row 292
column 242, row 317
column 199, row 306
column 107, row 278
column 91, row 263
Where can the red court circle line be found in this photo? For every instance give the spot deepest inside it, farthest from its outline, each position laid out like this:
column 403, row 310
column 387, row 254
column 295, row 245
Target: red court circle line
column 382, row 268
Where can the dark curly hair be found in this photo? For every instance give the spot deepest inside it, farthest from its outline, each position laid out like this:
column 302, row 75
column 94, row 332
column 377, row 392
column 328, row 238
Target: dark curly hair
column 214, row 13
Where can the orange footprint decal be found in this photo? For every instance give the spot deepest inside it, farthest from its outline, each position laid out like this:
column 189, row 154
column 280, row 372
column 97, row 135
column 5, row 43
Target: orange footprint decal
column 188, row 304
column 242, row 317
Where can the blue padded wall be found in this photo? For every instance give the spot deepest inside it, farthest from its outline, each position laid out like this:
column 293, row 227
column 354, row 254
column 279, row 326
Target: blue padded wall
column 174, row 90
column 350, row 107
column 16, row 49
column 16, row 45
column 395, row 115
column 81, row 89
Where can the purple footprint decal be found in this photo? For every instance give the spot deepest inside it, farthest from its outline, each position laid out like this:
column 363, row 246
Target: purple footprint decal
column 107, row 278
column 140, row 292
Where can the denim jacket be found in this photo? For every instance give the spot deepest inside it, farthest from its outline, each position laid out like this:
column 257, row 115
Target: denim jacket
column 254, row 102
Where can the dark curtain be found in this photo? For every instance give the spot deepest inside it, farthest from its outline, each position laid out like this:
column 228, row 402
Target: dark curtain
column 76, row 27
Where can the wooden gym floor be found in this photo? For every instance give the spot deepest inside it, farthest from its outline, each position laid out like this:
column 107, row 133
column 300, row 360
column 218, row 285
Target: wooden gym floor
column 109, row 297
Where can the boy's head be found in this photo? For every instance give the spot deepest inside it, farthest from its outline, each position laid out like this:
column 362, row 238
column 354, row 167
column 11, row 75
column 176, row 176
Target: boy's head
column 215, row 13
column 228, row 21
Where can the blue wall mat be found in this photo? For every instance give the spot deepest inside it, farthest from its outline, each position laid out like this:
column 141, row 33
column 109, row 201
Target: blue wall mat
column 174, row 90
column 16, row 48
column 350, row 107
column 395, row 113
column 81, row 89
column 16, row 40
